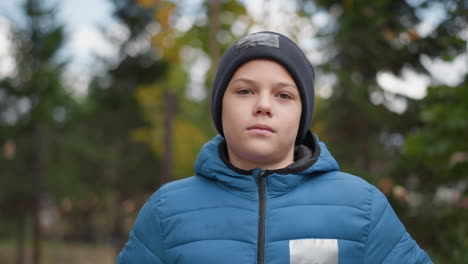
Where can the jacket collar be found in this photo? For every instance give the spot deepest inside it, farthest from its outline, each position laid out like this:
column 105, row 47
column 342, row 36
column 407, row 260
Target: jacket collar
column 310, row 158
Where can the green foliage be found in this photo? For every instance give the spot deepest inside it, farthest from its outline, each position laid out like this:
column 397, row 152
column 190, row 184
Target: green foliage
column 88, row 148
column 441, row 136
column 32, row 95
column 362, row 39
column 438, row 146
column 113, row 113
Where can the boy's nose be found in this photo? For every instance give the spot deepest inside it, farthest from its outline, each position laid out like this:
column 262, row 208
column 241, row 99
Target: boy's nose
column 263, row 106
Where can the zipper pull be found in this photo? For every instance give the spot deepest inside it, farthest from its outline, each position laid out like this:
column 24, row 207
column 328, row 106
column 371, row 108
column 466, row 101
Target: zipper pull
column 261, row 176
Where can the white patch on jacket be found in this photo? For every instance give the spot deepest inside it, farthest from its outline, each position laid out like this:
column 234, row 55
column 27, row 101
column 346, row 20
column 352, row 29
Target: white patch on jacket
column 313, row 251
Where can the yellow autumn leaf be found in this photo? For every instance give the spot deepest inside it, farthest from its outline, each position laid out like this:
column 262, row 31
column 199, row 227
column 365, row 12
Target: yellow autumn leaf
column 141, row 135
column 187, row 141
column 146, row 3
column 164, row 13
column 149, row 96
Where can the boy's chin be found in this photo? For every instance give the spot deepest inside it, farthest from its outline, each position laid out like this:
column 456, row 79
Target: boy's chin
column 261, row 149
column 267, row 157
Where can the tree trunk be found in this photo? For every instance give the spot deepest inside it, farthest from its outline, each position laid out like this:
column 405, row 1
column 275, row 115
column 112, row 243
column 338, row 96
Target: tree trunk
column 39, row 144
column 214, row 10
column 120, row 235
column 166, row 161
column 38, row 174
column 214, row 49
column 20, row 253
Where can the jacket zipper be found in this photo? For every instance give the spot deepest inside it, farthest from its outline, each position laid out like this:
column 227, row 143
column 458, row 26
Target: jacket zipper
column 261, row 219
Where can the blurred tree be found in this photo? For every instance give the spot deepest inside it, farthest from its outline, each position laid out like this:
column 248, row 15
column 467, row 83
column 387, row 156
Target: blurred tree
column 438, row 141
column 85, row 142
column 360, row 41
column 436, row 153
column 356, row 47
column 33, row 101
column 120, row 168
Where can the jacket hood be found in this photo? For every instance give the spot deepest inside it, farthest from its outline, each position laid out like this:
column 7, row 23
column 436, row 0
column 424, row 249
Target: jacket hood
column 310, row 160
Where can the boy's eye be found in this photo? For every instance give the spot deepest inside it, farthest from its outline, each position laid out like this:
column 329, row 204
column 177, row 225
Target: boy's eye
column 244, row 91
column 284, row 96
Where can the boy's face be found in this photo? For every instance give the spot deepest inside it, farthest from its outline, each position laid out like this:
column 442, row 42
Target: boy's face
column 261, row 114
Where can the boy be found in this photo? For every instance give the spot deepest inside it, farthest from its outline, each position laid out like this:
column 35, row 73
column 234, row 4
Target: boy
column 266, row 190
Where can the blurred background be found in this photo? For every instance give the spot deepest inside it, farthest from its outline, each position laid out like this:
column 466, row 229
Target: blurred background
column 102, row 101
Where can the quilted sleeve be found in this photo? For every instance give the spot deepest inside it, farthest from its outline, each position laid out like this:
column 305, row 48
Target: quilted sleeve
column 144, row 245
column 388, row 242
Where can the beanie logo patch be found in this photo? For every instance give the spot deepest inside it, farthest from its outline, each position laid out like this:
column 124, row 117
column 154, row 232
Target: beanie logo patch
column 257, row 39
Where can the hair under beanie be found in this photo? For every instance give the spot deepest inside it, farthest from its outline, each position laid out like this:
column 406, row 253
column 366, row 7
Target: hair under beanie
column 272, row 46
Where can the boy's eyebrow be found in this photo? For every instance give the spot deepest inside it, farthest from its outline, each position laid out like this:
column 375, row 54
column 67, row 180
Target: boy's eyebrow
column 284, row 84
column 249, row 81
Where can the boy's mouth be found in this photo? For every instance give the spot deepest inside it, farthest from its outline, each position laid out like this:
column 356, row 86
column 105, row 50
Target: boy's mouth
column 261, row 127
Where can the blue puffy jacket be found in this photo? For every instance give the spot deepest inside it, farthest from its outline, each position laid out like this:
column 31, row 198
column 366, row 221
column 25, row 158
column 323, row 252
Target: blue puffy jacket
column 308, row 212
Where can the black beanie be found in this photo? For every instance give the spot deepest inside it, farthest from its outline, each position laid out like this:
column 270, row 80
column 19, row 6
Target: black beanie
column 272, row 46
